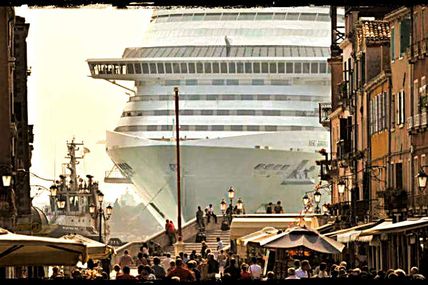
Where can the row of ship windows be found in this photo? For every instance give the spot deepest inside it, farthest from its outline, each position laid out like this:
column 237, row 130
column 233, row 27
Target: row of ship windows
column 236, row 32
column 244, row 16
column 232, row 51
column 249, row 128
column 228, row 97
column 221, row 113
column 307, row 81
column 211, row 67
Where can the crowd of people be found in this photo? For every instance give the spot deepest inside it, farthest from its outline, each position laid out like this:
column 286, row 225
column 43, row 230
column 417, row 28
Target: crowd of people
column 225, row 266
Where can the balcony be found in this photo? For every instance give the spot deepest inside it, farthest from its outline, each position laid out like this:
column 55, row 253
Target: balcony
column 343, row 149
column 409, row 124
column 324, row 113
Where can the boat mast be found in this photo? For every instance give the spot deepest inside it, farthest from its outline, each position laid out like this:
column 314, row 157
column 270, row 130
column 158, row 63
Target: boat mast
column 72, row 147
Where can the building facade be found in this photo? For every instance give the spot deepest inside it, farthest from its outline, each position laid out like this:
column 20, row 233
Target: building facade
column 16, row 134
column 378, row 130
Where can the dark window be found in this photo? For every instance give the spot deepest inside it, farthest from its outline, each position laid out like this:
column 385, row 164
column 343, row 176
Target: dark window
column 265, row 67
column 216, row 68
column 201, row 128
column 289, row 67
column 191, row 67
column 256, row 67
column 183, row 68
column 292, row 16
column 247, row 97
column 130, row 68
column 236, row 128
column 404, row 35
column 399, row 175
column 246, row 16
column 228, row 97
column 264, row 16
column 207, row 67
column 232, row 67
column 323, row 67
column 191, row 82
column 212, row 17
column 245, row 112
column 222, row 113
column 176, row 67
column 240, row 67
column 152, row 68
column 314, row 67
column 168, row 68
column 253, row 128
column 218, row 81
column 306, row 67
column 232, row 82
column 137, row 68
column 248, row 67
column 145, row 68
column 152, row 128
column 199, row 67
column 257, row 82
column 229, row 16
column 212, row 97
column 217, row 128
column 160, row 68
column 223, row 67
column 281, row 67
column 207, row 112
column 298, row 67
column 272, row 67
column 270, row 128
column 279, row 16
column 307, row 17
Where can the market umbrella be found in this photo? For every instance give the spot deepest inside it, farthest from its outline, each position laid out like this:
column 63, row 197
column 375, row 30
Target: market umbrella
column 96, row 250
column 26, row 250
column 303, row 237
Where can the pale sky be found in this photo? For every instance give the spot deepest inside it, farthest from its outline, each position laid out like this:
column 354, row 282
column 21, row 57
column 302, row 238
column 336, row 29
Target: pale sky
column 63, row 101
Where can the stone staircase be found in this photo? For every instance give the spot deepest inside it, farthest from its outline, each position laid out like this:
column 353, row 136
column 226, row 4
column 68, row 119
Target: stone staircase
column 211, row 241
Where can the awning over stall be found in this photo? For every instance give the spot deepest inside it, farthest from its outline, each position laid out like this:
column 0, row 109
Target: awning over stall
column 242, row 226
column 25, row 250
column 389, row 227
column 303, row 237
column 96, row 250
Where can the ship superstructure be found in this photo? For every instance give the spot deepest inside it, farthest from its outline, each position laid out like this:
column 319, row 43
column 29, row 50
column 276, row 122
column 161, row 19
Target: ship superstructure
column 249, row 80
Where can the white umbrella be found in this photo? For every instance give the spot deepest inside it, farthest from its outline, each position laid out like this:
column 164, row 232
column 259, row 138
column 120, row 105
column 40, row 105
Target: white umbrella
column 96, row 250
column 26, row 250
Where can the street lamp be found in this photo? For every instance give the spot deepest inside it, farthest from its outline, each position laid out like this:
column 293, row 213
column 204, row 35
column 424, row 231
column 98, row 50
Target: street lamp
column 223, row 206
column 54, row 190
column 341, row 187
column 101, row 214
column 60, row 203
column 317, row 198
column 231, row 194
column 239, row 205
column 422, row 179
column 305, row 199
column 6, row 179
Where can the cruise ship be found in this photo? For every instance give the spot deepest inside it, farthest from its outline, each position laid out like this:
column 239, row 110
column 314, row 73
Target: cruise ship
column 249, row 82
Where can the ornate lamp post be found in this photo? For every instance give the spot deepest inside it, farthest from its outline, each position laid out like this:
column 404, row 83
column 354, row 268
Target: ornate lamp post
column 422, row 180
column 102, row 215
column 341, row 187
column 317, row 198
column 240, row 206
column 231, row 194
column 305, row 200
column 6, row 179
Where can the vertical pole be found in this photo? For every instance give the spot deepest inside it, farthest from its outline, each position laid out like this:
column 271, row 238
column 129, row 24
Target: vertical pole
column 177, row 139
column 100, row 213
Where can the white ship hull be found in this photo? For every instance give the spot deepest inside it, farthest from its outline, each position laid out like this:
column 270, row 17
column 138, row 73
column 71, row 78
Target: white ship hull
column 259, row 175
